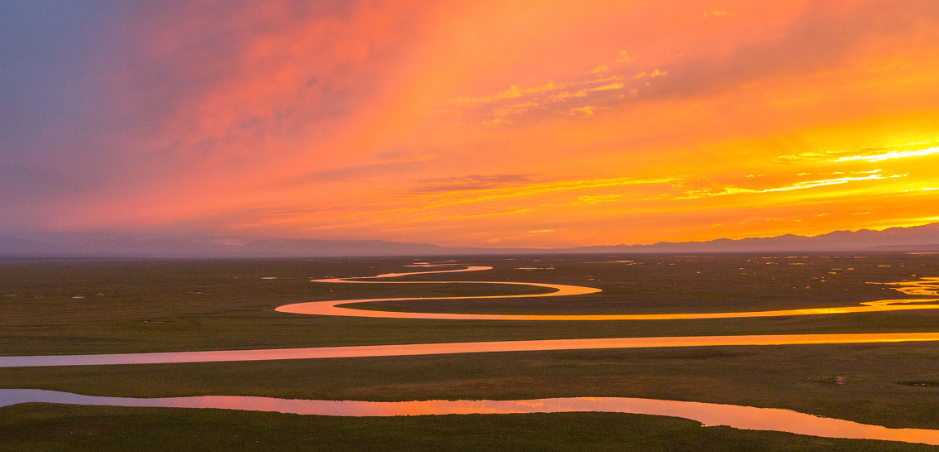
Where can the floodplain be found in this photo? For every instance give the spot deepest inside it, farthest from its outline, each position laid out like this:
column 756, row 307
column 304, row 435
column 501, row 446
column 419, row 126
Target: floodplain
column 71, row 307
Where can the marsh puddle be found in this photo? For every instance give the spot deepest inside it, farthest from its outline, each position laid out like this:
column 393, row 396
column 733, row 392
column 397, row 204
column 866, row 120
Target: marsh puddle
column 927, row 287
column 708, row 414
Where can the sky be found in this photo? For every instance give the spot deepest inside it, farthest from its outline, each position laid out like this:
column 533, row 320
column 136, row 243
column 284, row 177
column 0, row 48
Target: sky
column 468, row 123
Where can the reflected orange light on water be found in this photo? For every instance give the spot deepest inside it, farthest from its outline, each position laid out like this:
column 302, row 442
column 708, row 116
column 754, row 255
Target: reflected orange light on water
column 332, row 308
column 928, row 287
column 365, row 351
column 708, row 414
column 339, row 307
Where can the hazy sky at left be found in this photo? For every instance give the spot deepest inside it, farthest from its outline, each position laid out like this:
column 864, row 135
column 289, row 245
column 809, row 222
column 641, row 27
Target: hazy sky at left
column 486, row 123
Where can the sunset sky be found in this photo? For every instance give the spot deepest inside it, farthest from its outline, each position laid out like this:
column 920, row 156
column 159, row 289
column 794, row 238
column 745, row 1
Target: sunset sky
column 468, row 123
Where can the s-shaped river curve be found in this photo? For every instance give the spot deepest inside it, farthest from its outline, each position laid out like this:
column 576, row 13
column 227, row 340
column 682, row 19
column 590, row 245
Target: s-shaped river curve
column 341, row 307
column 336, row 307
column 709, row 414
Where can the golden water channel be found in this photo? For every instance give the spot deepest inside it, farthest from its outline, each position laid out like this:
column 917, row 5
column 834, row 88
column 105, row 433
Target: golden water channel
column 742, row 417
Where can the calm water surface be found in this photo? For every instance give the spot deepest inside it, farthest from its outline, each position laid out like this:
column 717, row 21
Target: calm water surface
column 927, row 286
column 458, row 347
column 741, row 417
column 709, row 414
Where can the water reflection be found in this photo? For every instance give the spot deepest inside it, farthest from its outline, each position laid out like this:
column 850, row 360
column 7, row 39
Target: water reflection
column 709, row 414
column 928, row 286
column 459, row 347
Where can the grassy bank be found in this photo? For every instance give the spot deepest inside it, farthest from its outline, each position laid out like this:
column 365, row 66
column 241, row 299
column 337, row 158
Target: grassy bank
column 872, row 384
column 48, row 428
column 140, row 306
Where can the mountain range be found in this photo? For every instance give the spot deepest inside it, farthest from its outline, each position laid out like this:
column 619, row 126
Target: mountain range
column 909, row 239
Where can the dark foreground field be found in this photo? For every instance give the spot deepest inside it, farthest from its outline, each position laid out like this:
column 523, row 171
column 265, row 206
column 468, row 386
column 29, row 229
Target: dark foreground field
column 47, row 428
column 142, row 306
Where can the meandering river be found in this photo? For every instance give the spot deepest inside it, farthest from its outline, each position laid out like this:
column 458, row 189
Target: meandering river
column 366, row 351
column 341, row 307
column 741, row 417
column 709, row 414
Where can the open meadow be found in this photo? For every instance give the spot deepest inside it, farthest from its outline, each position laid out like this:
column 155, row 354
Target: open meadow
column 76, row 307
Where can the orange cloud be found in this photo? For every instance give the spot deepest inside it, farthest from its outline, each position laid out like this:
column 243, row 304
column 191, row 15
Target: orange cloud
column 477, row 121
column 796, row 186
column 877, row 157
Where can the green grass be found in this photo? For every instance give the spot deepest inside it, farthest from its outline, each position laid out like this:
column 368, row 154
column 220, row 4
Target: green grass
column 801, row 378
column 40, row 428
column 144, row 305
column 140, row 306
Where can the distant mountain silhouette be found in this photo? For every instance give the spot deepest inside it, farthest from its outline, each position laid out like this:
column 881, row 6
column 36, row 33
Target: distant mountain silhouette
column 917, row 238
column 911, row 239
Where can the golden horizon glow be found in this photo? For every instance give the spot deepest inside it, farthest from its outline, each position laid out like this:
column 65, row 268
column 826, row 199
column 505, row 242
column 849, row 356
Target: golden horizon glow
column 524, row 124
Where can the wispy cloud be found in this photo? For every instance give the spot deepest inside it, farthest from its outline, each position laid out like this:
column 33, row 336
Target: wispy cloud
column 386, row 162
column 511, row 92
column 868, row 155
column 596, row 199
column 655, row 73
column 731, row 190
column 803, row 156
column 879, row 157
column 472, row 182
column 348, row 118
column 461, row 195
column 468, row 215
column 602, row 84
column 582, row 111
column 715, row 13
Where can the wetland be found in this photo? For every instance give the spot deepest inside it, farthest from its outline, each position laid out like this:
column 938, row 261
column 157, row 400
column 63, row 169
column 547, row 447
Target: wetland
column 149, row 306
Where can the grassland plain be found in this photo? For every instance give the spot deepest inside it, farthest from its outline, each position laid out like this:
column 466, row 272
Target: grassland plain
column 145, row 305
column 101, row 429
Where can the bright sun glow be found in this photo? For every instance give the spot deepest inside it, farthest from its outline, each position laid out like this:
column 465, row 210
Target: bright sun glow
column 477, row 123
